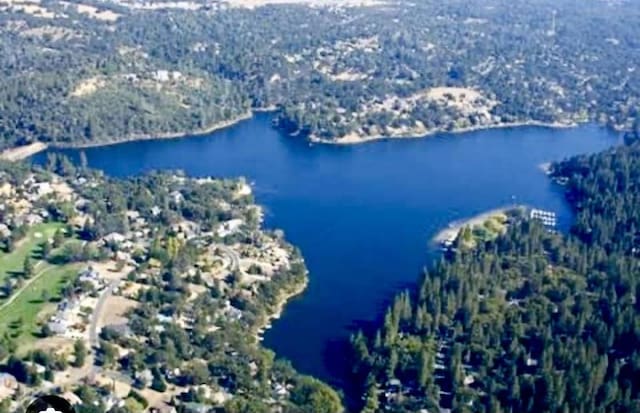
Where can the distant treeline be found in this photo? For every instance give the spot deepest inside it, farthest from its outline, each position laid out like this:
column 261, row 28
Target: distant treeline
column 76, row 79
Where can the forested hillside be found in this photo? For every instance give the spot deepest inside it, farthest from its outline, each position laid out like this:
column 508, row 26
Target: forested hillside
column 98, row 71
column 532, row 322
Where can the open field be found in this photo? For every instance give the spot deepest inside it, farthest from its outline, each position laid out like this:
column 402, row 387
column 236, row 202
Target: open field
column 12, row 263
column 21, row 315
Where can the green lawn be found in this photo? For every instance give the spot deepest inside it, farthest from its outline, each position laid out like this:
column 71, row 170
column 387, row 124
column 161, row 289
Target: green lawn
column 20, row 318
column 12, row 263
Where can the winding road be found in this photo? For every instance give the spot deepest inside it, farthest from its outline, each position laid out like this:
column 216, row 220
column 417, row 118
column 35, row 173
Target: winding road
column 233, row 256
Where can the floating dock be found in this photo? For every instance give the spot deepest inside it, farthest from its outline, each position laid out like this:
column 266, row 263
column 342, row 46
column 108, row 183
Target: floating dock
column 548, row 218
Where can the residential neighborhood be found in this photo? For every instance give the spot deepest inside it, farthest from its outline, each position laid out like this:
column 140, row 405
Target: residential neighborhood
column 112, row 286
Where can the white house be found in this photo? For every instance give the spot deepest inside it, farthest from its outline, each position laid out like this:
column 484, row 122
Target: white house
column 229, row 227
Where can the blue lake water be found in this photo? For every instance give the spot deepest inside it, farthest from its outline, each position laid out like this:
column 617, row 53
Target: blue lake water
column 362, row 215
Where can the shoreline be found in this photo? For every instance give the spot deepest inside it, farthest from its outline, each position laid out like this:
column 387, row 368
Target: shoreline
column 26, row 151
column 281, row 303
column 162, row 136
column 22, row 152
column 450, row 233
column 354, row 139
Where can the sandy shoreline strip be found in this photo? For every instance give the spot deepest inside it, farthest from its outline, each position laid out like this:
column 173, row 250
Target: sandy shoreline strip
column 353, row 138
column 22, row 152
column 451, row 232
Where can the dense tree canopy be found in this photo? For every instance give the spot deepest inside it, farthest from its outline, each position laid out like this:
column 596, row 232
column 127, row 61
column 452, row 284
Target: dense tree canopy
column 78, row 79
column 531, row 322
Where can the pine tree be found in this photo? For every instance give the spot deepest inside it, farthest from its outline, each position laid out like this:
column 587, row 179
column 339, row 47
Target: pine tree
column 27, row 267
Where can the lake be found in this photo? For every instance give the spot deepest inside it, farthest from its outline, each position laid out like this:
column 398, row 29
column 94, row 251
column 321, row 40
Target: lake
column 363, row 215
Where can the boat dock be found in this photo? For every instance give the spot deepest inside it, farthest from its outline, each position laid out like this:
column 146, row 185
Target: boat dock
column 548, row 218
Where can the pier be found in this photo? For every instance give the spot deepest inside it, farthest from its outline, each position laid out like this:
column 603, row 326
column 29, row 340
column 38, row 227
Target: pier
column 548, row 218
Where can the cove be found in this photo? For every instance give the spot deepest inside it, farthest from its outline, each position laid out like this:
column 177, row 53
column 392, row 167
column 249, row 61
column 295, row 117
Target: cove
column 363, row 216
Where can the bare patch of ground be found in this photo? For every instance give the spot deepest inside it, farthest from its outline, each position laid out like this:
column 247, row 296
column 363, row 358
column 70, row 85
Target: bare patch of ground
column 62, row 190
column 109, row 270
column 120, row 389
column 195, row 290
column 53, row 32
column 467, row 101
column 22, row 152
column 116, row 309
column 31, row 7
column 55, row 345
column 88, row 86
column 94, row 12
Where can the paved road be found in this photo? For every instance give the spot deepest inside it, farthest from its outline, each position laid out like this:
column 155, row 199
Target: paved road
column 97, row 312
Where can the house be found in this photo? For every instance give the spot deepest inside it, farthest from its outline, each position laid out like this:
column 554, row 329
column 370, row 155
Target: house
column 161, row 75
column 8, row 385
column 92, row 277
column 231, row 312
column 145, row 377
column 111, row 401
column 280, row 391
column 5, row 232
column 114, row 238
column 58, row 326
column 32, row 219
column 164, row 318
column 469, row 380
column 42, row 188
column 176, row 197
column 229, row 227
column 38, row 368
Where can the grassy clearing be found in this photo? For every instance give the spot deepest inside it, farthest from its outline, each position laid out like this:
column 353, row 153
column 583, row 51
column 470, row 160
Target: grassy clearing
column 11, row 264
column 20, row 318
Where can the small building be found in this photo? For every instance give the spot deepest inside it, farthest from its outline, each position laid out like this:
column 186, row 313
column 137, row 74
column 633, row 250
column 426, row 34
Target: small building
column 164, row 318
column 145, row 377
column 58, row 326
column 8, row 385
column 161, row 75
column 176, row 197
column 111, row 401
column 114, row 238
column 229, row 227
column 92, row 277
